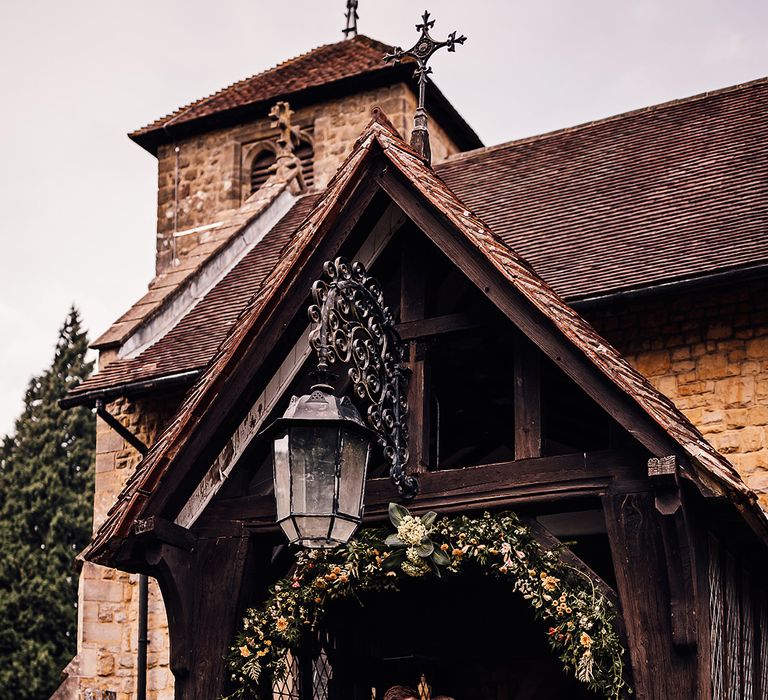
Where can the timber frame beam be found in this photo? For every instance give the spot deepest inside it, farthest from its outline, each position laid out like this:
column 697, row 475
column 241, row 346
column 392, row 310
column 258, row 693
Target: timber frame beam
column 544, row 335
column 502, row 485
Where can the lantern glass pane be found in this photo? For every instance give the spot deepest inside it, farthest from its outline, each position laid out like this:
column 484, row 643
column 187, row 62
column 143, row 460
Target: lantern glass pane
column 282, row 475
column 343, row 530
column 313, row 531
column 313, row 465
column 355, row 449
column 290, row 530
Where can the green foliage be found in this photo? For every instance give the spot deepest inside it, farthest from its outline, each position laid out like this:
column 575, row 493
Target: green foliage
column 46, row 506
column 582, row 632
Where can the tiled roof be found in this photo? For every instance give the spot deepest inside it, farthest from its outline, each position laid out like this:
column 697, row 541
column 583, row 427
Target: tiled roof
column 669, row 192
column 673, row 191
column 327, row 67
column 320, row 66
column 191, row 343
column 164, row 287
column 155, row 466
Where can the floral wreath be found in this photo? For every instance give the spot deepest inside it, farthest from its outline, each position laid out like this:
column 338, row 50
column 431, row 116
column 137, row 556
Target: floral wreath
column 581, row 631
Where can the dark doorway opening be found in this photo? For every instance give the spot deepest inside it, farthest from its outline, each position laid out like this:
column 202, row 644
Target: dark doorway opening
column 469, row 639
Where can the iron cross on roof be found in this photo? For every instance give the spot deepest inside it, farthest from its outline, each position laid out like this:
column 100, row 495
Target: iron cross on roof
column 422, row 51
column 352, row 18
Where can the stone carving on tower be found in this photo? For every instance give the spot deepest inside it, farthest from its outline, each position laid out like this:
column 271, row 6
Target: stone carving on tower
column 287, row 166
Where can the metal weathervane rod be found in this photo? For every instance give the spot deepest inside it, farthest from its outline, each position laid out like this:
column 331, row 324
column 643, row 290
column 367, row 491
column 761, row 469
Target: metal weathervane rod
column 352, row 18
column 422, row 51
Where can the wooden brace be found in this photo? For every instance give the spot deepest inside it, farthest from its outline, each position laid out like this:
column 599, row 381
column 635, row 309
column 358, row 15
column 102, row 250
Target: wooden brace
column 678, row 548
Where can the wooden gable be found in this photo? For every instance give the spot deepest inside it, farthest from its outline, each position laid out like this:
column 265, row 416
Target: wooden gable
column 515, row 402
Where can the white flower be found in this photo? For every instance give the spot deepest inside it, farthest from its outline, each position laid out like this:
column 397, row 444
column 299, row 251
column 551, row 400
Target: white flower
column 585, row 667
column 413, row 555
column 415, row 570
column 411, row 531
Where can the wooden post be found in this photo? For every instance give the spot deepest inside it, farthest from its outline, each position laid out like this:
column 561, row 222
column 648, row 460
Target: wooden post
column 527, row 399
column 660, row 669
column 413, row 308
column 679, row 546
column 203, row 593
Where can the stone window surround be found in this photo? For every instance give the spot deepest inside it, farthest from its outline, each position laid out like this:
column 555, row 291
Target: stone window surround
column 251, row 149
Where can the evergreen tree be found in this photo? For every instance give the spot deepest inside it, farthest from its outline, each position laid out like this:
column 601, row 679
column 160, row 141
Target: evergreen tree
column 46, row 506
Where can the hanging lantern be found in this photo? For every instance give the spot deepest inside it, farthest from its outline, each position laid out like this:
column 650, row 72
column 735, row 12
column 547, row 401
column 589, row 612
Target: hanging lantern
column 321, row 453
column 321, row 446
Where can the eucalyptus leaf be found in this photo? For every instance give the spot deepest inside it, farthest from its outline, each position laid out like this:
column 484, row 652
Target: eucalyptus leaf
column 397, row 513
column 425, row 549
column 394, row 560
column 394, row 541
column 435, row 568
column 440, row 558
column 428, row 519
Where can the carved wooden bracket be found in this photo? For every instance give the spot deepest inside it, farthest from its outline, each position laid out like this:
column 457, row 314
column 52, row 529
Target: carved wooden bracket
column 678, row 548
column 164, row 531
column 173, row 569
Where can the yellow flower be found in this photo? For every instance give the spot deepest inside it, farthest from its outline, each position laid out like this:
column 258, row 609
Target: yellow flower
column 262, row 652
column 586, row 640
column 245, row 651
column 550, row 582
column 267, row 642
column 281, row 624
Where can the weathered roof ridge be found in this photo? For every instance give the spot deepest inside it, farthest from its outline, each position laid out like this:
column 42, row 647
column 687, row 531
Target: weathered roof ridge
column 477, row 152
column 168, row 285
column 169, row 119
column 154, row 467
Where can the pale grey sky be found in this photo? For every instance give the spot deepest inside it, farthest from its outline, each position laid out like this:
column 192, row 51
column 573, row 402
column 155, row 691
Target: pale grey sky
column 78, row 198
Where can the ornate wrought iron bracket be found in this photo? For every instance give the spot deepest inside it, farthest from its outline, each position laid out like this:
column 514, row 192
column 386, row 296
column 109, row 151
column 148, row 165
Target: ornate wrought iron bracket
column 355, row 327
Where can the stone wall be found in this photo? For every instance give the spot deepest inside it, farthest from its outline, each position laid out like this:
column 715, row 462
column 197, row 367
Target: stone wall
column 708, row 352
column 108, row 599
column 214, row 168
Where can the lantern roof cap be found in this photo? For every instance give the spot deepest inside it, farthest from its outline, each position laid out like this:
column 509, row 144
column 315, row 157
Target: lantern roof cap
column 322, row 405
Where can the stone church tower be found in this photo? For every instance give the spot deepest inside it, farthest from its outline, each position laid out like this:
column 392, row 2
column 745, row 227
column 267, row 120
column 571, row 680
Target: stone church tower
column 215, row 157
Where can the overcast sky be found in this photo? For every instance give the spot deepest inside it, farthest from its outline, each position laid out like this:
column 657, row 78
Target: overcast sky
column 78, row 198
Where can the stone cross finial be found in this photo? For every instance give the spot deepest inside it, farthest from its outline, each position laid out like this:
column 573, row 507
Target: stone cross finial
column 422, row 51
column 287, row 166
column 352, row 17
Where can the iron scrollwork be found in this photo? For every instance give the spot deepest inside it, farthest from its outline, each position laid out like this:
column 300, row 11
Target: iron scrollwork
column 353, row 326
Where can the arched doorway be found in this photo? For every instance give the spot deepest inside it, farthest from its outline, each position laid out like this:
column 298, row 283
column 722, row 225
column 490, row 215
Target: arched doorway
column 469, row 638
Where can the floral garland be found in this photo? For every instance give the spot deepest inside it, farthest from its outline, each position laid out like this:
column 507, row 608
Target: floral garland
column 581, row 630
